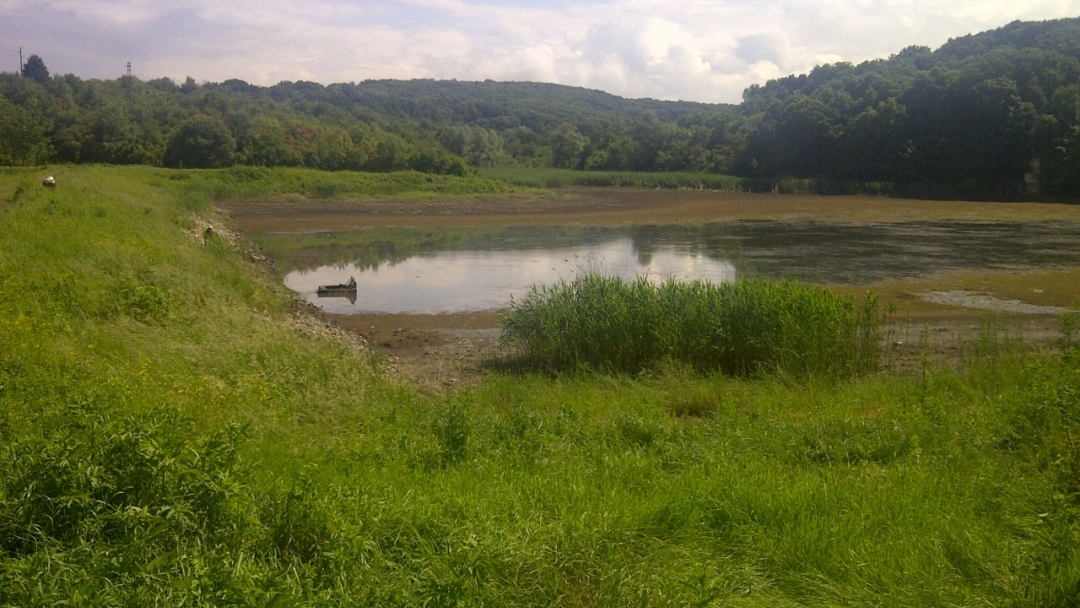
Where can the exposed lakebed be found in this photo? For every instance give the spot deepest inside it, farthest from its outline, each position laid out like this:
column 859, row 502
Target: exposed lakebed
column 460, row 269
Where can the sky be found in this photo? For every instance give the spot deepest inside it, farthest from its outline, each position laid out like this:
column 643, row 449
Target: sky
column 696, row 50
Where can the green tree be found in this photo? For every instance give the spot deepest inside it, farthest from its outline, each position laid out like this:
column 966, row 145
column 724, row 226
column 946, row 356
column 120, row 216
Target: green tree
column 202, row 142
column 35, row 70
column 567, row 147
column 1060, row 170
column 22, row 139
column 265, row 143
column 479, row 147
column 873, row 145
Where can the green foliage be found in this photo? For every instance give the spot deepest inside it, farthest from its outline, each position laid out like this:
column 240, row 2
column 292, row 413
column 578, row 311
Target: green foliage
column 452, row 430
column 259, row 183
column 297, row 526
column 35, row 70
column 478, row 146
column 98, row 477
column 22, row 139
column 567, row 148
column 990, row 116
column 228, row 454
column 563, row 178
column 975, row 118
column 743, row 327
column 203, row 142
column 141, row 301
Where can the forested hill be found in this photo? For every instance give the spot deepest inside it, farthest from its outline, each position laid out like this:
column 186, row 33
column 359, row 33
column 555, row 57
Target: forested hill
column 506, row 105
column 972, row 118
column 375, row 125
column 993, row 115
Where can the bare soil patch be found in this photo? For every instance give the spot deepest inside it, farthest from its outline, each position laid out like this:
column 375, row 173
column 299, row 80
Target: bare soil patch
column 435, row 352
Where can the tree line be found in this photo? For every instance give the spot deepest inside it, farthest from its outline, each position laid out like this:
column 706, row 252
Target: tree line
column 994, row 115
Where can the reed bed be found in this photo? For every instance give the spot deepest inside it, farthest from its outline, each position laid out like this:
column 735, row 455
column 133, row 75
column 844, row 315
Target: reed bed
column 744, row 327
column 543, row 177
column 535, row 177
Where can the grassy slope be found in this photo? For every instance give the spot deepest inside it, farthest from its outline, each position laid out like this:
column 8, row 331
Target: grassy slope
column 673, row 488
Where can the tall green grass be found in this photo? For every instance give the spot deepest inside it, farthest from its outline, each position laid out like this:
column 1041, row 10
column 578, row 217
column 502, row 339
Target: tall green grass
column 532, row 177
column 243, row 182
column 171, row 434
column 536, row 177
column 742, row 327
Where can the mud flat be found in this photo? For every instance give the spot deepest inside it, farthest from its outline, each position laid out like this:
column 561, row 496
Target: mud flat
column 611, row 206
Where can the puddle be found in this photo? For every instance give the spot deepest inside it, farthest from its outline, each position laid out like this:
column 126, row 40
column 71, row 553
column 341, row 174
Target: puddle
column 434, row 270
column 968, row 299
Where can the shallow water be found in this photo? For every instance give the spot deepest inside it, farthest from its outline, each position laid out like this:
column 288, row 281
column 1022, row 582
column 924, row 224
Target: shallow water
column 430, row 271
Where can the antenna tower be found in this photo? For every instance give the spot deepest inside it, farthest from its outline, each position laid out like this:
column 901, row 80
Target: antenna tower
column 129, row 69
column 20, row 62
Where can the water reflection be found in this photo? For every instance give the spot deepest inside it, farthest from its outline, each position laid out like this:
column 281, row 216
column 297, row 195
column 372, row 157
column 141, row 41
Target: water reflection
column 415, row 270
column 455, row 281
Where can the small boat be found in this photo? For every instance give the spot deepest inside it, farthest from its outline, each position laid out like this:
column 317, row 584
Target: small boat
column 341, row 290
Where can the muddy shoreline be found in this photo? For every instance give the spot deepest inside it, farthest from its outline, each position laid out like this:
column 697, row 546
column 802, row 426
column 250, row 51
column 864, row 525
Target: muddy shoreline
column 611, row 206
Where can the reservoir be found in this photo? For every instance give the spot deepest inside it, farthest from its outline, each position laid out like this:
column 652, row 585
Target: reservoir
column 435, row 270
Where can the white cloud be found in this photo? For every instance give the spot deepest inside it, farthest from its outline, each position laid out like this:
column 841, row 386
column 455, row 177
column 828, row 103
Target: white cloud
column 706, row 50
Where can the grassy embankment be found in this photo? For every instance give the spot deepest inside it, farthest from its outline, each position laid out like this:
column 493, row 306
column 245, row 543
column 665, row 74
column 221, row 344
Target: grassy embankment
column 297, row 184
column 172, row 435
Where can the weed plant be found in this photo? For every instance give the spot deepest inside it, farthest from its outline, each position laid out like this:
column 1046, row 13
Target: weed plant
column 743, row 327
column 171, row 434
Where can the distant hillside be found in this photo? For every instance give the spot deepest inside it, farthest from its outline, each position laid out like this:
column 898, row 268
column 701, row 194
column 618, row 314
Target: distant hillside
column 506, row 105
column 995, row 114
column 375, row 125
column 992, row 115
column 1060, row 36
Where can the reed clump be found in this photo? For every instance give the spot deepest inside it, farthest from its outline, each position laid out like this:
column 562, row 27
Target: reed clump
column 743, row 327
